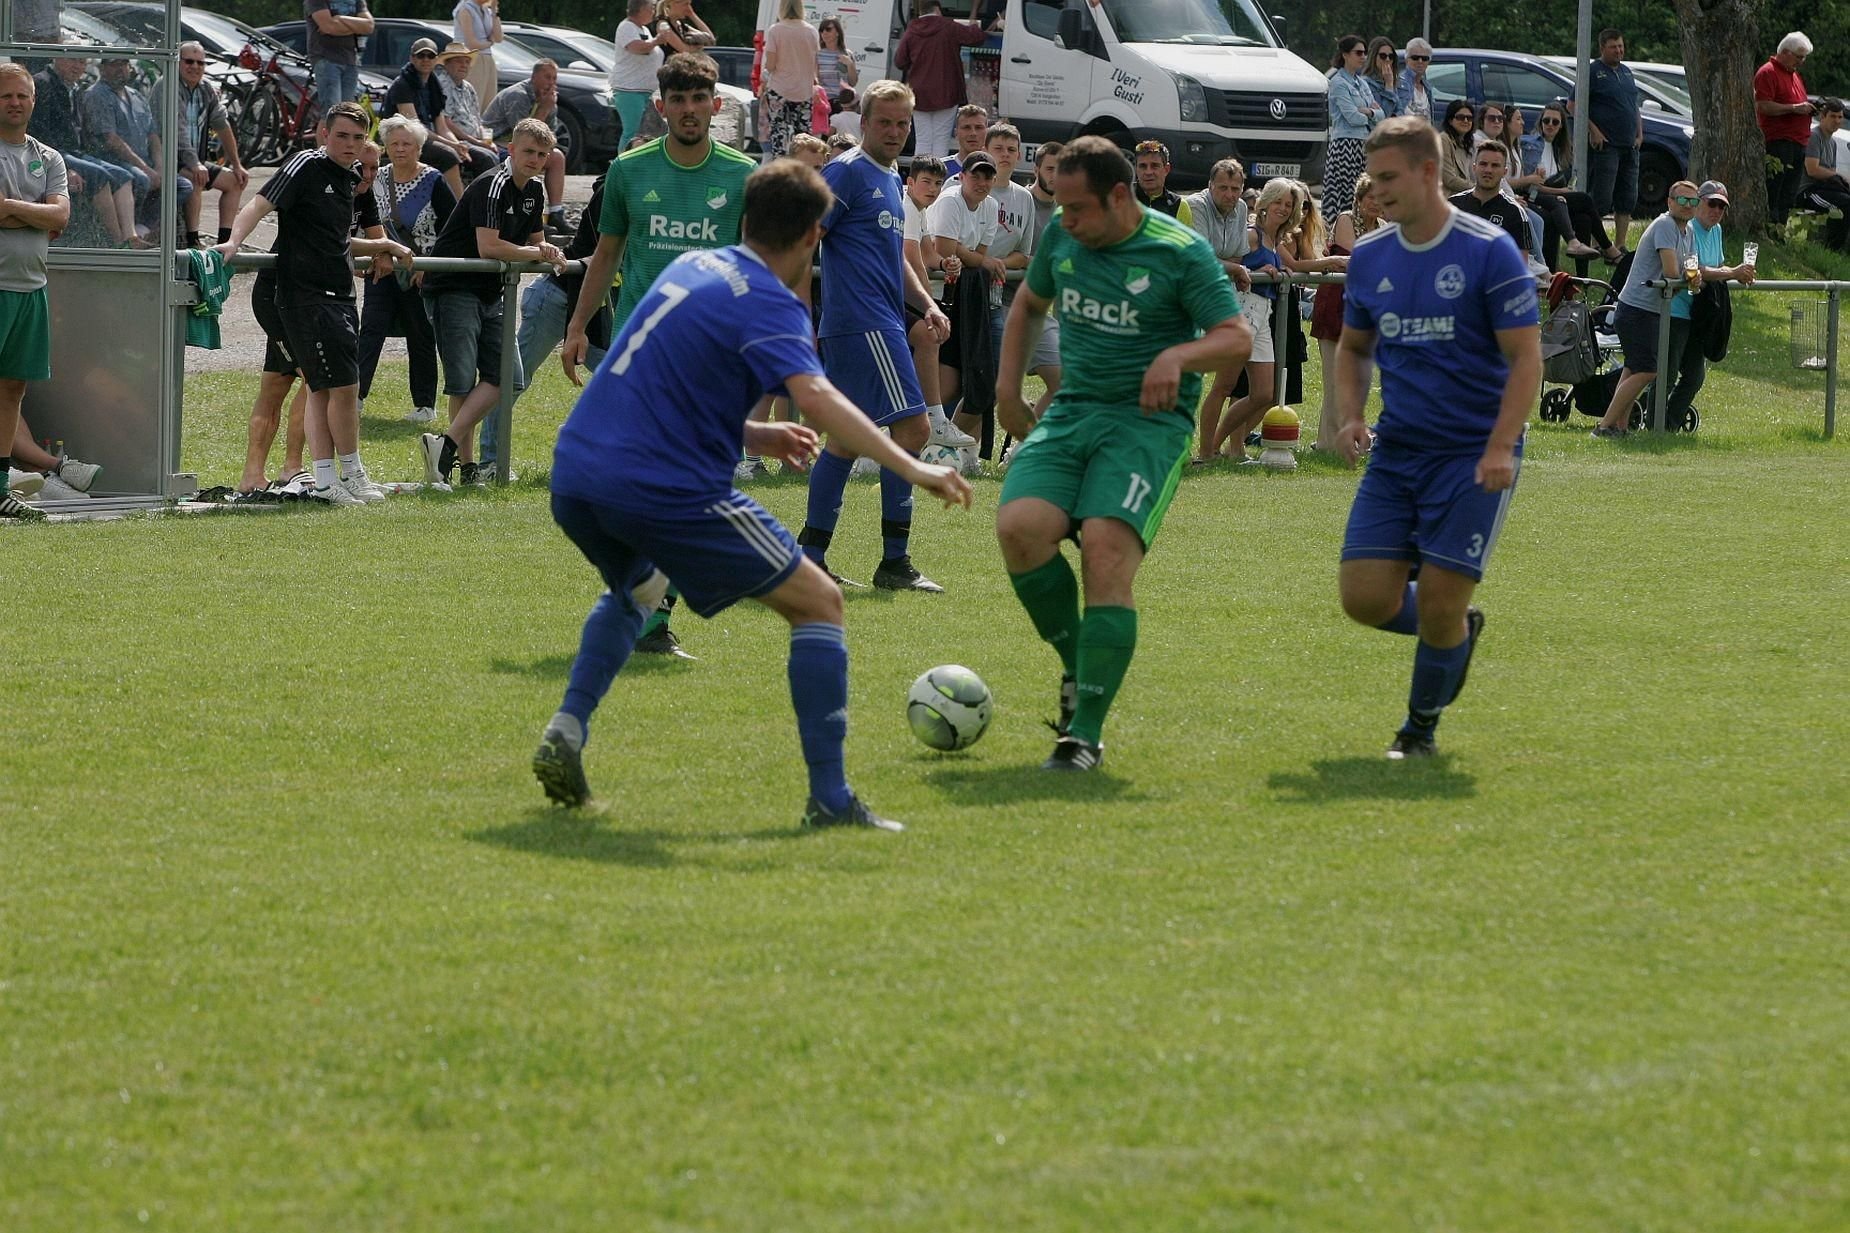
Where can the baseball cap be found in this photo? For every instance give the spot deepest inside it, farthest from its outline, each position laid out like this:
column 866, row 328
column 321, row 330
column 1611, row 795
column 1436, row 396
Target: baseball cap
column 977, row 159
column 1713, row 188
column 423, row 45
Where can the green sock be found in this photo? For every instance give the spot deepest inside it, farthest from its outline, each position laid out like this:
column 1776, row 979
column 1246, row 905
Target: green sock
column 1107, row 639
column 658, row 620
column 1050, row 593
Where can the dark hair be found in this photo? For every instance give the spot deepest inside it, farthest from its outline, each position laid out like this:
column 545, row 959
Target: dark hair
column 1451, row 112
column 1046, row 148
column 1496, row 147
column 926, row 165
column 689, row 72
column 783, row 200
column 351, row 112
column 1607, row 35
column 840, row 142
column 1483, row 113
column 1562, row 141
column 1832, row 105
column 973, row 109
column 833, row 23
column 1002, row 129
column 1344, row 45
column 1102, row 162
column 1376, row 46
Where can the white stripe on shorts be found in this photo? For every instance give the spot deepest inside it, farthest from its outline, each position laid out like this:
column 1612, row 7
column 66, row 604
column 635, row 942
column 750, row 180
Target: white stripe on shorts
column 889, row 372
column 752, row 532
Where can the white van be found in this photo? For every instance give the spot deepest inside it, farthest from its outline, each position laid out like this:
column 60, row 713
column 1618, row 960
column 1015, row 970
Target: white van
column 1207, row 78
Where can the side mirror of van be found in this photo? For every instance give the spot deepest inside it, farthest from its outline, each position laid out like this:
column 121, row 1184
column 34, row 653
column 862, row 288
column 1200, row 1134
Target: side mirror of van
column 1077, row 33
column 1278, row 28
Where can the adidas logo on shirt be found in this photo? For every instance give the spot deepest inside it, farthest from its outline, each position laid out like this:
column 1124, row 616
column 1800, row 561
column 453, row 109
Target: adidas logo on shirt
column 651, row 195
column 327, row 188
column 1065, row 266
column 1384, row 285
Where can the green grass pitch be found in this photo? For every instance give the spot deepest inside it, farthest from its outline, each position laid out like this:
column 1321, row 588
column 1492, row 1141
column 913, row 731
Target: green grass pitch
column 290, row 941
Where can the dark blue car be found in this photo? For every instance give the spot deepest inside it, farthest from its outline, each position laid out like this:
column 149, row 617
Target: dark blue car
column 1531, row 83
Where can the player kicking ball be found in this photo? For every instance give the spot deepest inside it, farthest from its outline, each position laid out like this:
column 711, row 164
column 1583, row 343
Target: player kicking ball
column 1445, row 306
column 642, row 478
column 1144, row 309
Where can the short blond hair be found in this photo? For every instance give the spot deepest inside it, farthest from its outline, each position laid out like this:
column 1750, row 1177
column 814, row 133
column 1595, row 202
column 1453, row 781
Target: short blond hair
column 808, row 143
column 12, row 69
column 539, row 130
column 887, row 91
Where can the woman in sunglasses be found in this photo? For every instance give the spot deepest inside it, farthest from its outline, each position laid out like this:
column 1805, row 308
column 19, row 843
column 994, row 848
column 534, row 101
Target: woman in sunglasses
column 1414, row 98
column 1354, row 112
column 1548, row 176
column 1382, row 75
column 1455, row 147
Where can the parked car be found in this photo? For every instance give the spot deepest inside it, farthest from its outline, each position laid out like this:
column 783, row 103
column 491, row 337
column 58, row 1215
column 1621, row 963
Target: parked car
column 574, row 49
column 1531, row 83
column 590, row 138
column 1669, row 99
column 735, row 65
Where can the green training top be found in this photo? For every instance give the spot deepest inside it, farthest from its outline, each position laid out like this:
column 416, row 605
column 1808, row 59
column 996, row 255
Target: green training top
column 1120, row 306
column 663, row 209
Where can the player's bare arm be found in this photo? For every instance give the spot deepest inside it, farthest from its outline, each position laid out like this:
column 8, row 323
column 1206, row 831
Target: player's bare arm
column 1228, row 343
column 1026, row 317
column 918, row 294
column 794, row 445
column 1522, row 347
column 820, row 402
column 599, row 270
column 1355, row 353
column 50, row 214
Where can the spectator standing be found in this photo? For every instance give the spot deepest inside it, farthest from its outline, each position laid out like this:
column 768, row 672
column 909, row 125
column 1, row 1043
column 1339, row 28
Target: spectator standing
column 925, row 182
column 1326, row 321
column 536, row 98
column 835, row 67
column 1662, row 252
column 477, row 26
column 1615, row 133
column 1044, row 362
column 1276, row 222
column 417, row 94
column 790, row 48
column 57, row 120
column 334, row 31
column 1783, row 109
column 1353, row 115
column 680, row 29
column 1825, row 187
column 1152, row 187
column 1689, row 348
column 313, row 197
column 1455, row 147
column 930, row 57
column 202, row 117
column 1220, row 214
column 632, row 76
column 971, row 128
column 964, row 225
column 1015, row 237
column 121, row 129
column 461, row 120
column 414, row 202
column 1415, row 99
column 34, row 202
column 1383, row 75
column 499, row 218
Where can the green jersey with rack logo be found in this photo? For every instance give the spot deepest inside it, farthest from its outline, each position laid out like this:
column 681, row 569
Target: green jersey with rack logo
column 1120, row 306
column 662, row 209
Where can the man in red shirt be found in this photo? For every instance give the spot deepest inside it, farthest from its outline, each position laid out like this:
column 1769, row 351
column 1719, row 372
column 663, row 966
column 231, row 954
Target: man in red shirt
column 1782, row 108
column 930, row 55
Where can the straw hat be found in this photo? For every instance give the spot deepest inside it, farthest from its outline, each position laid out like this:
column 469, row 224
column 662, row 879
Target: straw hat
column 454, row 50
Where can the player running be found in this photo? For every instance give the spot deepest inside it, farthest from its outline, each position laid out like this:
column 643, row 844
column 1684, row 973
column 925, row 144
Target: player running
column 680, row 192
column 642, row 478
column 1144, row 308
column 1445, row 305
column 866, row 283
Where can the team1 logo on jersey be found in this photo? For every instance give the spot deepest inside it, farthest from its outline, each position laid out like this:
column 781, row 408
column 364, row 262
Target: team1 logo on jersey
column 1119, row 318
column 1137, row 280
column 699, row 231
column 1414, row 330
column 1450, row 282
column 716, row 198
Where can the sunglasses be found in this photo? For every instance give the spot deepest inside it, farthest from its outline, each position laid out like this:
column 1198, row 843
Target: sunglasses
column 1386, row 55
column 1687, row 201
column 1546, row 120
column 1493, row 115
column 1716, row 203
column 423, row 55
column 190, row 60
column 1419, row 59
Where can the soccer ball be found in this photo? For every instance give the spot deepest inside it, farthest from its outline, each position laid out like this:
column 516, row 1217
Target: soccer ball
column 948, row 707
column 936, row 455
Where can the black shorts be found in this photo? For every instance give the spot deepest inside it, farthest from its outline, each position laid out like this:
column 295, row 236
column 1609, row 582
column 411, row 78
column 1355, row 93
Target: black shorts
column 439, row 155
column 277, row 356
column 1637, row 331
column 325, row 338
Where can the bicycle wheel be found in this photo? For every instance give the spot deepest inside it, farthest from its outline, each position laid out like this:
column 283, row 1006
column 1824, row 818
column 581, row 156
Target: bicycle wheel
column 260, row 121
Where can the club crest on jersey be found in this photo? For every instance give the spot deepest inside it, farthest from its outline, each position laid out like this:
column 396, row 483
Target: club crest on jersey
column 1137, row 280
column 887, row 221
column 1450, row 282
column 716, row 198
column 36, row 168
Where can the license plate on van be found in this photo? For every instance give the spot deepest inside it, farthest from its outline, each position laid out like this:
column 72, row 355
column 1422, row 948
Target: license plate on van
column 1268, row 171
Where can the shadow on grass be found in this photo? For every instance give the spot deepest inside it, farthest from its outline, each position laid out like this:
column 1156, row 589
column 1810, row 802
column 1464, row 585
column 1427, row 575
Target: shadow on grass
column 996, row 785
column 559, row 667
column 1342, row 779
column 586, row 835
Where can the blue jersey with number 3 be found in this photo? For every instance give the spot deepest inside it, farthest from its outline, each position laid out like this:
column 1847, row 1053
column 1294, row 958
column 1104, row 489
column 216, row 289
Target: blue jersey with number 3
column 664, row 417
column 1435, row 309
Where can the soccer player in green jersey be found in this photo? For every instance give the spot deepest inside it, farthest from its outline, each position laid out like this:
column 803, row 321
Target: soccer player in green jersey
column 1144, row 309
column 677, row 193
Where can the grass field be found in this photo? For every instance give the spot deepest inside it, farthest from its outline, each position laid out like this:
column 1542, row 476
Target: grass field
column 289, row 941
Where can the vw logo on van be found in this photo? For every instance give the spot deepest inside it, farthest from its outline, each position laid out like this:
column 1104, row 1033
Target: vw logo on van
column 1278, row 109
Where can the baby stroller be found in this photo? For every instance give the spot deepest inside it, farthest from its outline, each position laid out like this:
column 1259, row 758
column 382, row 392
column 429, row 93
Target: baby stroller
column 1580, row 351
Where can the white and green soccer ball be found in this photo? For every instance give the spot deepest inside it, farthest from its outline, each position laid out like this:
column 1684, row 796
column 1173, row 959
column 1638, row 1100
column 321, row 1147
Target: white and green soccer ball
column 935, row 455
column 949, row 707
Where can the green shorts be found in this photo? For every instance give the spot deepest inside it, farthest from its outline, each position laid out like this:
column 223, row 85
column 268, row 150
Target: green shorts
column 25, row 336
column 1103, row 462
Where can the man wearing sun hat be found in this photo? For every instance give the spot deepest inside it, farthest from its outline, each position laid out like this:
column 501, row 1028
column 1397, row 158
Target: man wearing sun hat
column 461, row 120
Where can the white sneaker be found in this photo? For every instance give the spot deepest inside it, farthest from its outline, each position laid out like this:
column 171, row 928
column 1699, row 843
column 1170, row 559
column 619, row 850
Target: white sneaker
column 79, row 475
column 421, row 415
column 748, row 470
column 56, row 489
column 950, row 434
column 430, row 448
column 339, row 494
column 23, row 483
column 1008, row 455
column 968, row 463
column 863, row 468
column 363, row 487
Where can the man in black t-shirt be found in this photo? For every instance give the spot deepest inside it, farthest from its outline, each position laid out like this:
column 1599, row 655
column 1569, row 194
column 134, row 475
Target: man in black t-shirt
column 1486, row 200
column 501, row 217
column 313, row 196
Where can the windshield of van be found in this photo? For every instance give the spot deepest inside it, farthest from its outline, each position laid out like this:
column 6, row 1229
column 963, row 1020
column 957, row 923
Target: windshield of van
column 1228, row 23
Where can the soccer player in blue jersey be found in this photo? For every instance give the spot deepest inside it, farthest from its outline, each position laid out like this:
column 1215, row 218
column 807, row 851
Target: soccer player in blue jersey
column 866, row 284
column 1445, row 306
column 642, row 478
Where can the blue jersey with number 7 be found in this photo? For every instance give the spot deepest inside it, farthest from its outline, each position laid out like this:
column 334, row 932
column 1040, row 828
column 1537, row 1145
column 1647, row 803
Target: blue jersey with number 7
column 664, row 416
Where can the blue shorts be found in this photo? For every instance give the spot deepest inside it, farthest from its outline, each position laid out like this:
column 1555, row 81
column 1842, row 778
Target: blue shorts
column 875, row 371
column 1426, row 507
column 715, row 552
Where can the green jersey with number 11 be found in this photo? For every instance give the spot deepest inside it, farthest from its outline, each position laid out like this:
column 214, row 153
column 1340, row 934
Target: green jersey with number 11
column 1120, row 306
column 662, row 209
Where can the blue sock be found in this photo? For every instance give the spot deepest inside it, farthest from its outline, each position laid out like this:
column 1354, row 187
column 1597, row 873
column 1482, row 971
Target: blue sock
column 828, row 481
column 819, row 693
column 610, row 633
column 895, row 514
column 1435, row 679
column 1407, row 620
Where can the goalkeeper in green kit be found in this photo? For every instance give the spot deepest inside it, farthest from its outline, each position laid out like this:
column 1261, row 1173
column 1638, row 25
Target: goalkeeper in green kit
column 1144, row 308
